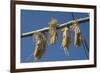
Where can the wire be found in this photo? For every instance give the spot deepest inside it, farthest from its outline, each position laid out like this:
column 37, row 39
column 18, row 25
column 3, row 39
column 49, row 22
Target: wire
column 68, row 24
column 85, row 49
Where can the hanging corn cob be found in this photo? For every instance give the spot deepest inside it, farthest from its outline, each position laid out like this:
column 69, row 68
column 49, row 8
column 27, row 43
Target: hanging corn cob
column 66, row 39
column 53, row 31
column 78, row 34
column 40, row 45
column 78, row 38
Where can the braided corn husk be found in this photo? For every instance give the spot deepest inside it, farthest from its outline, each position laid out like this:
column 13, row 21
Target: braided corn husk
column 66, row 39
column 40, row 45
column 52, row 31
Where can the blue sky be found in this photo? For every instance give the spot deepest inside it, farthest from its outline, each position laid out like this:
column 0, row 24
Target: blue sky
column 34, row 20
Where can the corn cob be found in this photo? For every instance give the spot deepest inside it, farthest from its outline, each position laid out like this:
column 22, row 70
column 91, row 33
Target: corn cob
column 52, row 31
column 40, row 45
column 66, row 39
column 78, row 38
column 78, row 34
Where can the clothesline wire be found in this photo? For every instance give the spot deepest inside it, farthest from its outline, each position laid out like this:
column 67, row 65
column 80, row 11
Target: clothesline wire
column 68, row 24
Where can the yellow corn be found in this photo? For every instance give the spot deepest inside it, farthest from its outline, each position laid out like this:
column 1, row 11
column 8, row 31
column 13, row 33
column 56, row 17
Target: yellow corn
column 52, row 31
column 77, row 38
column 78, row 34
column 40, row 45
column 66, row 39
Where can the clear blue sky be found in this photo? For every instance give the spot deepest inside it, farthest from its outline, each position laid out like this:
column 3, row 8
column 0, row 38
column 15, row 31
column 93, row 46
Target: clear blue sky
column 34, row 20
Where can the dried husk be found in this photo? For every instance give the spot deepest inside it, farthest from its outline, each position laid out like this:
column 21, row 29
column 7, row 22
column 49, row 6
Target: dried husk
column 40, row 45
column 77, row 38
column 53, row 31
column 78, row 35
column 66, row 39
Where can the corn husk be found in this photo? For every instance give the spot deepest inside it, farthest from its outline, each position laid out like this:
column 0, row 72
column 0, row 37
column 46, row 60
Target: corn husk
column 53, row 31
column 40, row 45
column 78, row 35
column 66, row 39
column 77, row 38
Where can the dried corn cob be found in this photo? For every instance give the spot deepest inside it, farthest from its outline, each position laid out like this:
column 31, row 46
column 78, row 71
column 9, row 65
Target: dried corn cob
column 78, row 37
column 40, row 45
column 66, row 39
column 78, row 34
column 52, row 31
